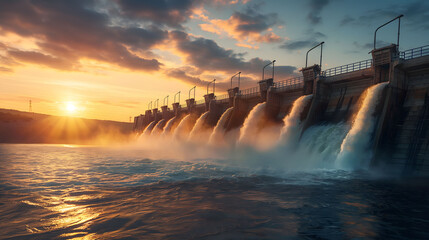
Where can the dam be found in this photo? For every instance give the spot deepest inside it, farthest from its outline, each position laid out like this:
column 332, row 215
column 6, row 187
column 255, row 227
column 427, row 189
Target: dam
column 376, row 110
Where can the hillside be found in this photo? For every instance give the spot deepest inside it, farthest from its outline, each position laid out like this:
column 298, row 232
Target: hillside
column 26, row 127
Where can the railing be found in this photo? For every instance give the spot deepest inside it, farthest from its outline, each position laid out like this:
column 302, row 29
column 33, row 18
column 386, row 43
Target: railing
column 200, row 102
column 347, row 68
column 289, row 84
column 222, row 98
column 250, row 92
column 414, row 53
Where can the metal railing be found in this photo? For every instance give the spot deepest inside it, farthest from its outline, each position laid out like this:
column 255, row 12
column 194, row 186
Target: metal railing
column 222, row 98
column 414, row 52
column 289, row 84
column 200, row 102
column 348, row 68
column 250, row 92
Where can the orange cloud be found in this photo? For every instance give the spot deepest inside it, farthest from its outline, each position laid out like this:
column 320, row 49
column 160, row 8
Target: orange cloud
column 248, row 28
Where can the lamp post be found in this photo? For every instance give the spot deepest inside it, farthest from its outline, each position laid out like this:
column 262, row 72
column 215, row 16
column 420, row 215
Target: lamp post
column 190, row 92
column 267, row 66
column 214, row 82
column 238, row 79
column 167, row 100
column 399, row 29
column 178, row 93
column 149, row 104
column 321, row 48
column 156, row 101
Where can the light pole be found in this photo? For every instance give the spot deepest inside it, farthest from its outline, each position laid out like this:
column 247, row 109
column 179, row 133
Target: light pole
column 175, row 97
column 267, row 66
column 399, row 29
column 321, row 48
column 167, row 100
column 149, row 104
column 238, row 79
column 190, row 92
column 214, row 82
column 157, row 101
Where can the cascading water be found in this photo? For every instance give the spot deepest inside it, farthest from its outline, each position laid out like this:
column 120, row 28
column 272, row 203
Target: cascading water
column 355, row 152
column 200, row 132
column 168, row 126
column 158, row 129
column 292, row 122
column 250, row 128
column 149, row 128
column 217, row 136
column 184, row 127
column 341, row 145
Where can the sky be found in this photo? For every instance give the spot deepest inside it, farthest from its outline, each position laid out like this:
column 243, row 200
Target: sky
column 108, row 59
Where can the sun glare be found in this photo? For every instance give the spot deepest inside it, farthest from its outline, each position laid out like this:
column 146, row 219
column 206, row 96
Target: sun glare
column 71, row 108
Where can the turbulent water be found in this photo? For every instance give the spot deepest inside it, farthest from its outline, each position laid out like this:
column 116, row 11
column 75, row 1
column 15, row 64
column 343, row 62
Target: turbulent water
column 73, row 192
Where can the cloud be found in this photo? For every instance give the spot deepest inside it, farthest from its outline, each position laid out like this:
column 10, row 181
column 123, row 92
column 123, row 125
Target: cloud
column 248, row 27
column 370, row 45
column 311, row 41
column 316, row 7
column 170, row 12
column 416, row 14
column 5, row 69
column 67, row 31
column 300, row 44
column 230, row 2
column 223, row 84
column 208, row 57
column 346, row 20
column 41, row 59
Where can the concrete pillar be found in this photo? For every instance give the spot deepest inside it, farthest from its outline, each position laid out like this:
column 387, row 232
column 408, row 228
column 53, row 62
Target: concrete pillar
column 156, row 115
column 273, row 103
column 318, row 104
column 215, row 111
column 232, row 92
column 382, row 60
column 310, row 74
column 148, row 117
column 166, row 113
column 135, row 124
column 190, row 103
column 264, row 85
column 239, row 113
column 176, row 108
column 207, row 99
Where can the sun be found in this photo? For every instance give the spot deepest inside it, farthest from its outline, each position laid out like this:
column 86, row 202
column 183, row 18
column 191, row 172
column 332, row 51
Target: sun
column 71, row 108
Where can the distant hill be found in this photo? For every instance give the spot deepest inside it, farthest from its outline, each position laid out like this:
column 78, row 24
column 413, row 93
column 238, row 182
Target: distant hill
column 26, row 127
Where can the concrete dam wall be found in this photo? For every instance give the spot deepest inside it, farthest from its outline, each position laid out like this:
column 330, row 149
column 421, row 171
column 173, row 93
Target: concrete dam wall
column 377, row 106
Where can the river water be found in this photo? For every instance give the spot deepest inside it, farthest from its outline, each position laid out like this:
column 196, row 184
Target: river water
column 81, row 192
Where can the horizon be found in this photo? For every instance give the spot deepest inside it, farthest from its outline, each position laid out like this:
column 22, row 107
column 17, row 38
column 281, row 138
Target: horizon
column 98, row 60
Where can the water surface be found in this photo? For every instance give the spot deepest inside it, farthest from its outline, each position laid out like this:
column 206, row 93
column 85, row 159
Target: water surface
column 78, row 192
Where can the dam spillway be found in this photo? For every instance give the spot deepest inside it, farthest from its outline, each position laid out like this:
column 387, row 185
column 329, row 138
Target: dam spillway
column 393, row 130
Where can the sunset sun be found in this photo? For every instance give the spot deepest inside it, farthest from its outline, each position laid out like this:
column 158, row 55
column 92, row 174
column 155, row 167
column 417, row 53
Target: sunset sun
column 71, row 108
